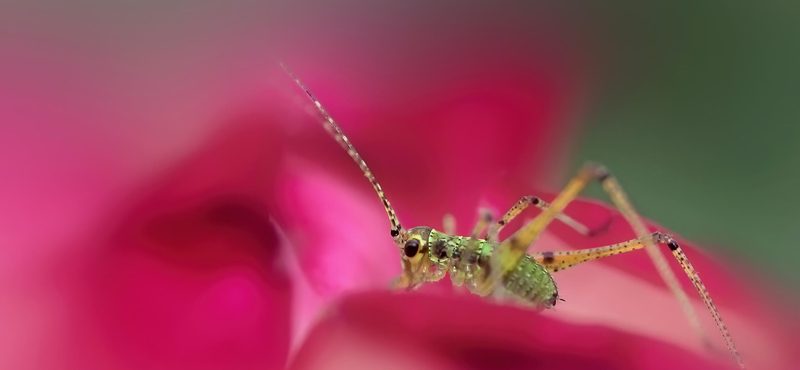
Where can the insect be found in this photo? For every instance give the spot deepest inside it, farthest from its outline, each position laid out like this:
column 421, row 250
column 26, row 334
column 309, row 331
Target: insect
column 488, row 266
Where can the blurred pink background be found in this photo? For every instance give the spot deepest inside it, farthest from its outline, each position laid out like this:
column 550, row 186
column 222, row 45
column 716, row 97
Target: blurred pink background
column 169, row 202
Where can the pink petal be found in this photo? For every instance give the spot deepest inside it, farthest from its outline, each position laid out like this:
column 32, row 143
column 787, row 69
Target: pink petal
column 384, row 330
column 186, row 274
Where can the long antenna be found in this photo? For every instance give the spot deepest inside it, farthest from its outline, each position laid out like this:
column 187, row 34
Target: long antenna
column 397, row 230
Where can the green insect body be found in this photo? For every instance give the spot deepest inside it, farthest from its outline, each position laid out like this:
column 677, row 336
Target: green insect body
column 469, row 261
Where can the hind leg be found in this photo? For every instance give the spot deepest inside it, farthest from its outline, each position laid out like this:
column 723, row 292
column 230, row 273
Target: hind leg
column 515, row 246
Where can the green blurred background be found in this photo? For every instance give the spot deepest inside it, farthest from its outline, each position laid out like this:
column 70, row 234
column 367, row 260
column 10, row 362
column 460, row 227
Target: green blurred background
column 698, row 118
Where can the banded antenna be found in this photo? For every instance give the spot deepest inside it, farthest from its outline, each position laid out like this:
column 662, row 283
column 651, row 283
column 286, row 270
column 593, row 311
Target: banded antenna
column 332, row 128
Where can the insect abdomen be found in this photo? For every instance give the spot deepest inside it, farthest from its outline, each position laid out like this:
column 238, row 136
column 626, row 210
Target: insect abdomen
column 531, row 282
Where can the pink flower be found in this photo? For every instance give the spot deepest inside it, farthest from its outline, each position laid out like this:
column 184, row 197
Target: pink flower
column 266, row 247
column 260, row 245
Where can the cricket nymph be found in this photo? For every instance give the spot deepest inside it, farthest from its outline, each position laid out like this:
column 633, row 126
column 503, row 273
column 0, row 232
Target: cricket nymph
column 488, row 266
column 429, row 254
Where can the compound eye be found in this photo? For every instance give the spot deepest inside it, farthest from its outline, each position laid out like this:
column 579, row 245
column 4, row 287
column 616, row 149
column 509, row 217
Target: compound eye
column 411, row 248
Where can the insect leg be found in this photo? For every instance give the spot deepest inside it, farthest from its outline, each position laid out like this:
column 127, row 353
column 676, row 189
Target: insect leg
column 561, row 260
column 460, row 265
column 449, row 224
column 524, row 203
column 512, row 249
column 623, row 203
column 557, row 261
column 519, row 242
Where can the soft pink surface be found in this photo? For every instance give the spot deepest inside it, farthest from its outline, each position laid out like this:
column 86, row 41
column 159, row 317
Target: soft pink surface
column 248, row 255
column 172, row 205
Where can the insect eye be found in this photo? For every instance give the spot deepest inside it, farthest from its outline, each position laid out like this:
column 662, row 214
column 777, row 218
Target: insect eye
column 411, row 248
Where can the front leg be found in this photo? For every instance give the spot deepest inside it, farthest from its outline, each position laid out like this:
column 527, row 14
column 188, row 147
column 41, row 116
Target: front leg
column 402, row 282
column 405, row 280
